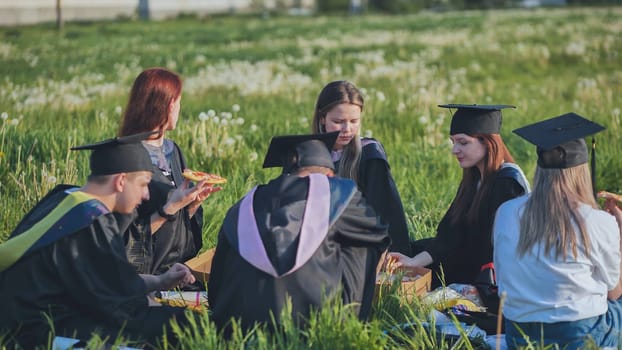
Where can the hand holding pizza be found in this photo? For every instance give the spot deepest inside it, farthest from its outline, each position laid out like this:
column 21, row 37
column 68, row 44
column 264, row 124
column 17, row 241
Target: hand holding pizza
column 611, row 206
column 206, row 182
column 609, row 195
column 183, row 196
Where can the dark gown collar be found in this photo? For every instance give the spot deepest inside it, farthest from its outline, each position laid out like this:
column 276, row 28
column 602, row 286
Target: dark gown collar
column 326, row 200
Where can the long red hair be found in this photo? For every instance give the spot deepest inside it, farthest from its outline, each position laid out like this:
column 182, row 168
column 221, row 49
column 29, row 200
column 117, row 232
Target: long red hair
column 467, row 203
column 152, row 93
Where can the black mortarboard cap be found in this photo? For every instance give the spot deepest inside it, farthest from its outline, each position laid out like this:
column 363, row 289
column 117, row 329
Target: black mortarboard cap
column 124, row 154
column 296, row 151
column 559, row 140
column 475, row 119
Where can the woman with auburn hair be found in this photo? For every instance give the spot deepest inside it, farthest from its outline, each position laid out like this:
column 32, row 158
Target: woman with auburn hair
column 338, row 108
column 462, row 246
column 557, row 254
column 169, row 225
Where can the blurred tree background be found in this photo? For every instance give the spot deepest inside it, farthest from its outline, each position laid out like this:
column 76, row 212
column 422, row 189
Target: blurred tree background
column 411, row 6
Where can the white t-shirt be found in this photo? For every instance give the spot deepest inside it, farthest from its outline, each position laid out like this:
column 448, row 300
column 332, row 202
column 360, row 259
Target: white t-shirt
column 541, row 288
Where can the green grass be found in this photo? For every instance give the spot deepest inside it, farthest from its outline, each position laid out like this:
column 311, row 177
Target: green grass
column 60, row 89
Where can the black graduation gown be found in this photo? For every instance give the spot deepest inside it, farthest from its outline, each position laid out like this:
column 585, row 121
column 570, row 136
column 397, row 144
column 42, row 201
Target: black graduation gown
column 175, row 241
column 378, row 187
column 461, row 248
column 346, row 258
column 83, row 281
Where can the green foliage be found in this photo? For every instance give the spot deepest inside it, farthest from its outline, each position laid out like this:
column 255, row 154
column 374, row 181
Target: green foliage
column 65, row 88
column 399, row 6
column 332, row 6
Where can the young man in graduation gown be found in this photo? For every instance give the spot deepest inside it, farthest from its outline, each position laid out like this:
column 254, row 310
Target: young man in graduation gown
column 65, row 265
column 304, row 236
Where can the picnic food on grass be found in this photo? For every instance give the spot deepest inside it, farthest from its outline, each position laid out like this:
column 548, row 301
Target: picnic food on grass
column 195, row 301
column 197, row 176
column 609, row 195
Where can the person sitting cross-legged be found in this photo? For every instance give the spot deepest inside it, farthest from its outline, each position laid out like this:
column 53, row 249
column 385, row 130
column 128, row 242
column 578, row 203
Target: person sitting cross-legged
column 305, row 235
column 64, row 268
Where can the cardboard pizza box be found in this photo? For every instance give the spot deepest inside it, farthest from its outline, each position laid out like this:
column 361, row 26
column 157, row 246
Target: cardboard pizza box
column 201, row 265
column 415, row 282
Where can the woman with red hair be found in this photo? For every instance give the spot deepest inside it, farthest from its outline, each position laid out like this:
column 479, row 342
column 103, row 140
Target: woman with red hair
column 169, row 225
column 462, row 245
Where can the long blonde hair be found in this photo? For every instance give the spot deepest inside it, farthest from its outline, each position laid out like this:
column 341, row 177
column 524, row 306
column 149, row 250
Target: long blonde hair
column 551, row 215
column 333, row 94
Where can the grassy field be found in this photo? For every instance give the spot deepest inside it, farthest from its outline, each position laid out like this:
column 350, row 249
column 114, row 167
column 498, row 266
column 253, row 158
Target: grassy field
column 247, row 79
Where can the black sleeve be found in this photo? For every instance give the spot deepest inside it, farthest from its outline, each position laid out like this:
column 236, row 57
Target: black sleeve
column 196, row 221
column 448, row 240
column 96, row 273
column 381, row 192
column 503, row 190
column 363, row 238
column 218, row 267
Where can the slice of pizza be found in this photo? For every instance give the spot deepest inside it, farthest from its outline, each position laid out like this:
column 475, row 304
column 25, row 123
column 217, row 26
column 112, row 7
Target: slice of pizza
column 197, row 176
column 607, row 195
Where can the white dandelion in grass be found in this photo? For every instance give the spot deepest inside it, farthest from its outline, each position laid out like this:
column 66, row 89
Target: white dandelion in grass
column 616, row 112
column 203, row 116
column 211, row 113
column 224, row 122
column 200, row 59
column 239, row 121
column 229, row 141
column 216, row 120
column 235, row 108
column 401, row 107
column 51, row 179
column 440, row 118
column 253, row 156
column 118, row 110
column 424, row 119
column 368, row 133
column 304, row 121
column 254, row 128
column 380, row 96
column 14, row 122
column 4, row 115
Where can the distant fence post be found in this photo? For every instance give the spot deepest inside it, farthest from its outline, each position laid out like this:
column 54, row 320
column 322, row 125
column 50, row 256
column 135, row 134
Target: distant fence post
column 59, row 17
column 143, row 9
column 356, row 7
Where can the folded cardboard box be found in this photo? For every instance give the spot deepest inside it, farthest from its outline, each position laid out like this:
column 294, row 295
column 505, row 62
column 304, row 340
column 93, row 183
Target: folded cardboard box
column 414, row 282
column 201, row 265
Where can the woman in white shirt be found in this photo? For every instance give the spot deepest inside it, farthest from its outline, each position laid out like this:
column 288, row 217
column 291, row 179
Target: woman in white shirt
column 556, row 253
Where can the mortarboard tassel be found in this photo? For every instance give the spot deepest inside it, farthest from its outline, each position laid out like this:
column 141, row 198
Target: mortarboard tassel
column 593, row 166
